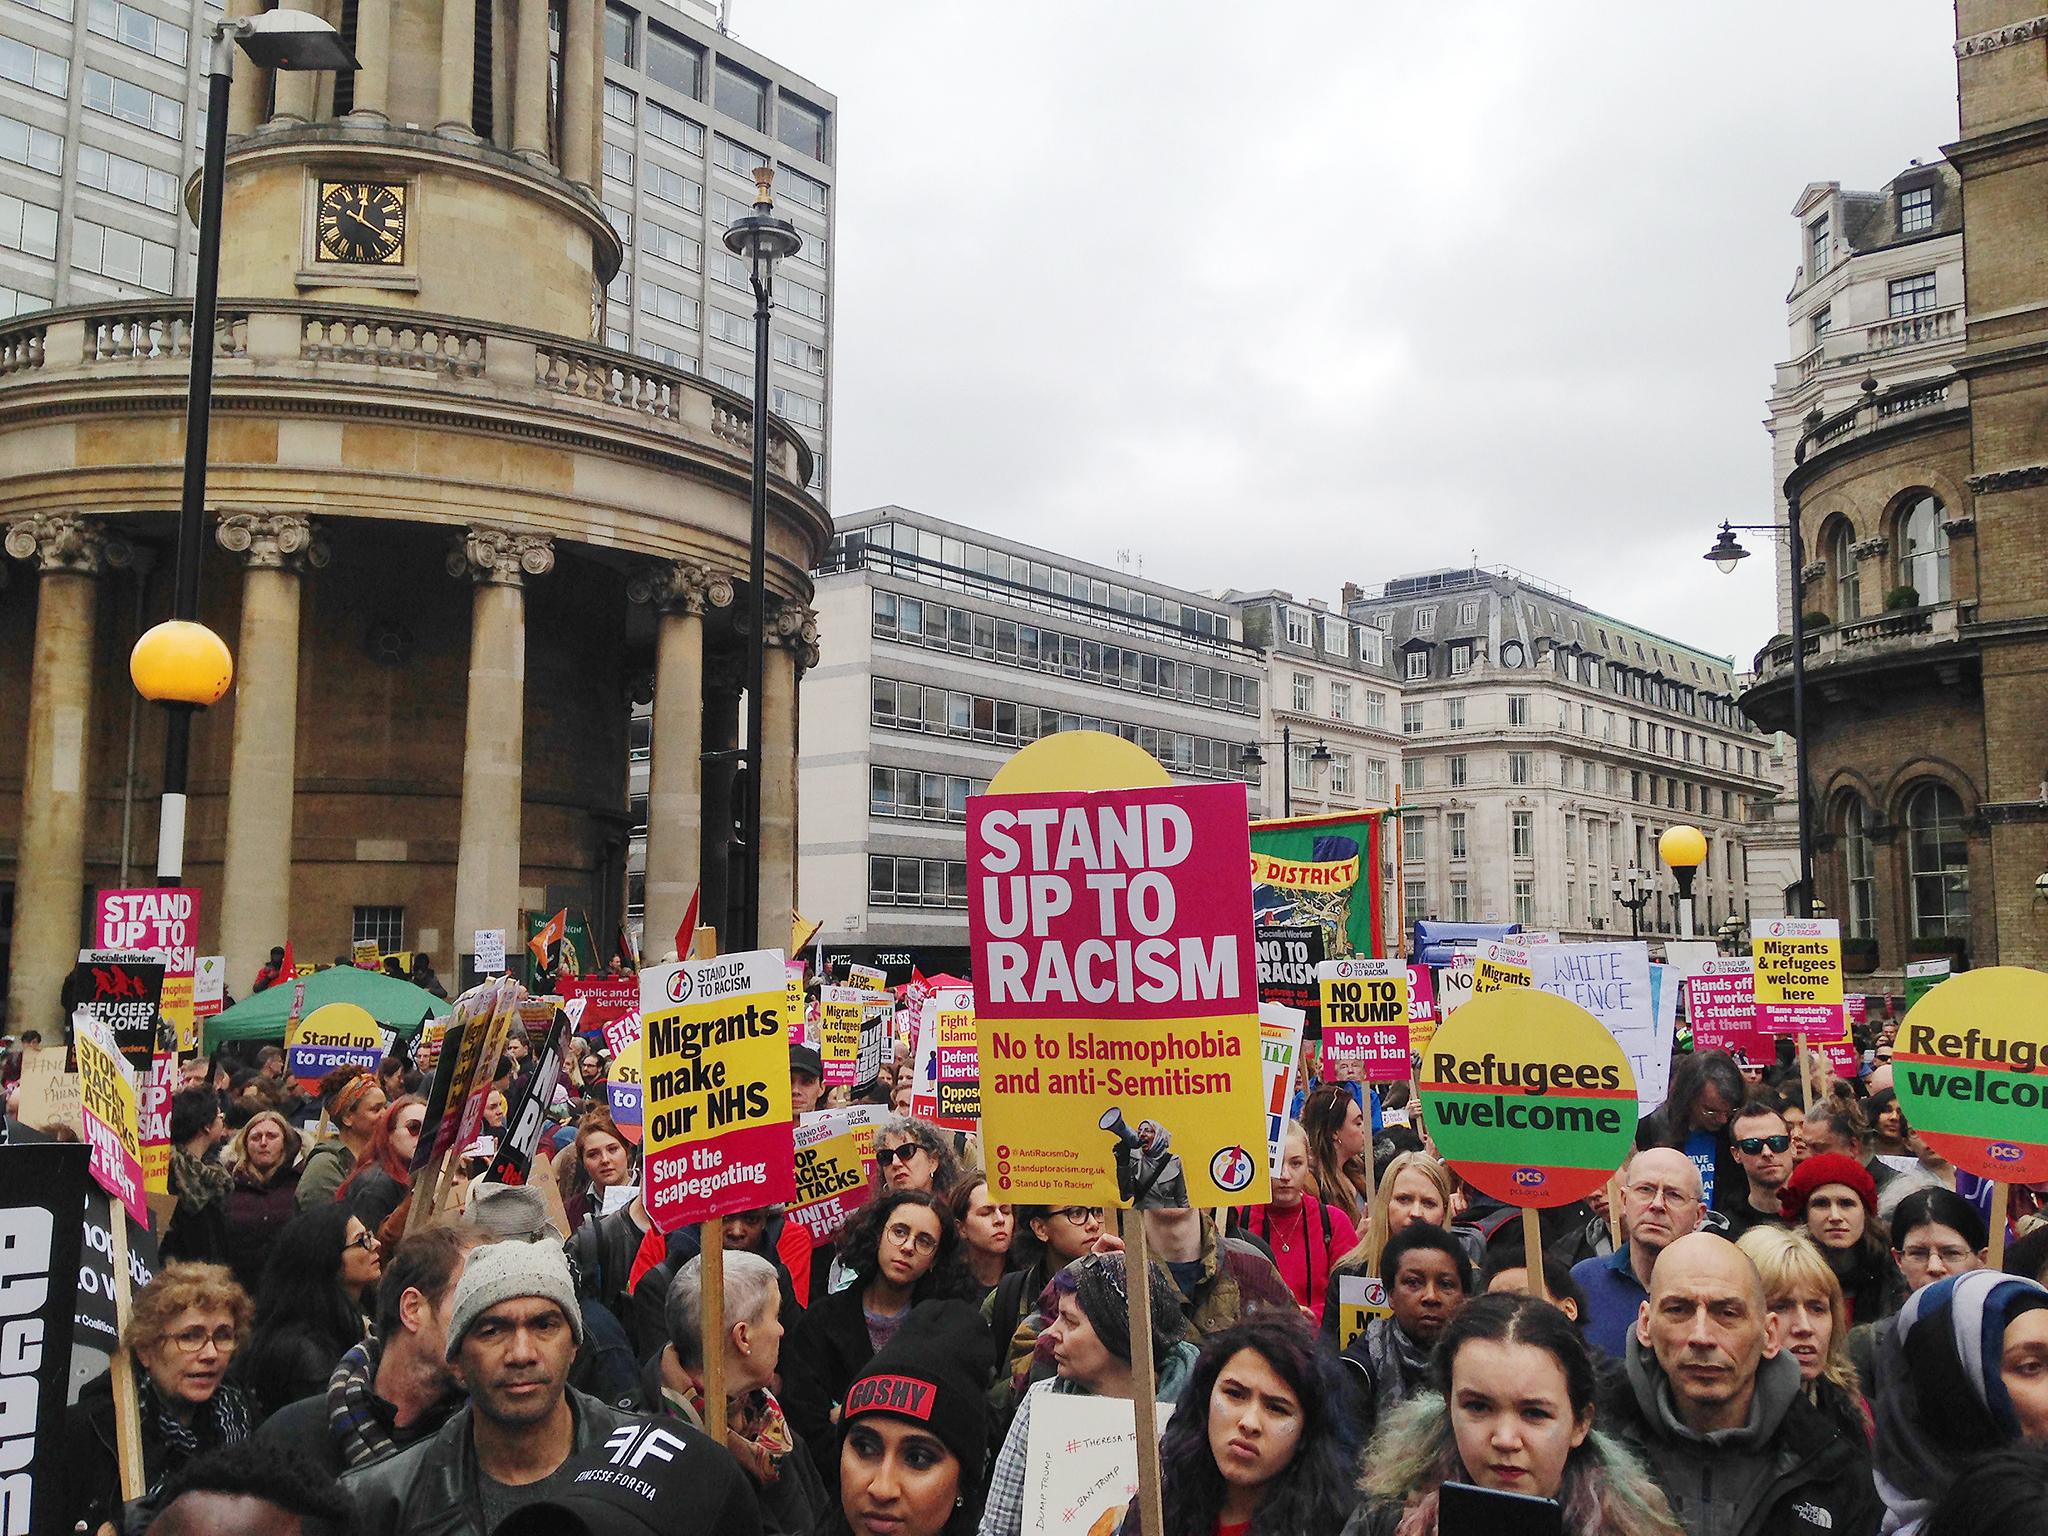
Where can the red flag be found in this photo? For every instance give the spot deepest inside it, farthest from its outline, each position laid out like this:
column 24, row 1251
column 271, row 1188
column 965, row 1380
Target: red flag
column 285, row 969
column 686, row 931
column 551, row 934
column 628, row 955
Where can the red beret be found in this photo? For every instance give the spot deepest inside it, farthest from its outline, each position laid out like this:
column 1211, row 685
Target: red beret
column 1827, row 1168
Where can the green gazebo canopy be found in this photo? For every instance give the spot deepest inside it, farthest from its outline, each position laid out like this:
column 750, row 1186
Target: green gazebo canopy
column 397, row 1005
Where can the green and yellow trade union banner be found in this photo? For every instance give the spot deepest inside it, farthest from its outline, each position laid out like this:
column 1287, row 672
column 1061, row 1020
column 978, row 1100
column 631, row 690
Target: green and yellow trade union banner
column 1322, row 872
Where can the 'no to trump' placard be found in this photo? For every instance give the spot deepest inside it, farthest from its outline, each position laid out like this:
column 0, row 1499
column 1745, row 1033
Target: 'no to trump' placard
column 1365, row 1017
column 716, row 1093
column 1117, row 984
column 1798, row 976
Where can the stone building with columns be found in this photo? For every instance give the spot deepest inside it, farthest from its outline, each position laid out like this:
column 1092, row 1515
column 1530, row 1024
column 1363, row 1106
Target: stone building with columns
column 451, row 535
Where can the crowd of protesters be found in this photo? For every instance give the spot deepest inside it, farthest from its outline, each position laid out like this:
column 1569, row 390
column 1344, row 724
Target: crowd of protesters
column 1774, row 1320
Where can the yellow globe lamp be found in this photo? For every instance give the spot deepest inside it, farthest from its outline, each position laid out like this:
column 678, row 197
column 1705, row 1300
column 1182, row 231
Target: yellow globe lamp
column 1685, row 850
column 180, row 662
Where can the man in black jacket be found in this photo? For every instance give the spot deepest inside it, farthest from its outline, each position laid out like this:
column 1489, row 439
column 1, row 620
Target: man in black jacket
column 511, row 1338
column 1717, row 1412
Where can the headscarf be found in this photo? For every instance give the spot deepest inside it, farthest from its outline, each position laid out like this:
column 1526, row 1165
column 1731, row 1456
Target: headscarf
column 1943, row 1400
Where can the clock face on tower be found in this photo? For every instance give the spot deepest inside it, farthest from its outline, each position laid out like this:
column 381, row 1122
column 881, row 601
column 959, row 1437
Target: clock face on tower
column 362, row 223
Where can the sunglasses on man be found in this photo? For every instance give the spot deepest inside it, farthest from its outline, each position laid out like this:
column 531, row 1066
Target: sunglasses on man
column 1755, row 1144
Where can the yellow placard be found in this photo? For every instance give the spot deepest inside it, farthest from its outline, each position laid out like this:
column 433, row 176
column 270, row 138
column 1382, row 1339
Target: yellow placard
column 1499, row 966
column 1359, row 1299
column 112, row 1117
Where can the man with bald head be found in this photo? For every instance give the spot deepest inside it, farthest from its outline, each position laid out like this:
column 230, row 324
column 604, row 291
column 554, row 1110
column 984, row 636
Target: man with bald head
column 1719, row 1415
column 1661, row 1200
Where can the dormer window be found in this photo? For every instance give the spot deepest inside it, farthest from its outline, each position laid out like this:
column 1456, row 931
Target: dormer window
column 1817, row 247
column 1916, row 210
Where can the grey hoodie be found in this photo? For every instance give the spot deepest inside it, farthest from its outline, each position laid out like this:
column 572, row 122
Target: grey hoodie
column 1715, row 1481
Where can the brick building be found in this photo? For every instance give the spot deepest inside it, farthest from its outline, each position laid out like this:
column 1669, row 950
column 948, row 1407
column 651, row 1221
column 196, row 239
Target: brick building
column 1923, row 484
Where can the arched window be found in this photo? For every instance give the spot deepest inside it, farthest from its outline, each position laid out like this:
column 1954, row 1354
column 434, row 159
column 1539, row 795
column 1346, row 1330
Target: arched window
column 1940, row 857
column 1848, row 586
column 1923, row 549
column 1511, row 653
column 1861, row 864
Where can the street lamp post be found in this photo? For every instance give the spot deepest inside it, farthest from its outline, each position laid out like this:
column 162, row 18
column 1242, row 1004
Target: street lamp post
column 1251, row 757
column 1632, row 890
column 1727, row 553
column 180, row 663
column 761, row 240
column 1684, row 849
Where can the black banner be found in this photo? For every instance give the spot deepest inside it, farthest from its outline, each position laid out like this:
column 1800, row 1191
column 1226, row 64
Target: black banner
column 1288, row 957
column 41, row 1190
column 124, row 992
column 524, row 1120
column 438, row 1093
column 95, row 1311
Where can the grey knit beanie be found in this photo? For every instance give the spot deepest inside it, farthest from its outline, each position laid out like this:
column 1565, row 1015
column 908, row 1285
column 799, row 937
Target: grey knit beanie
column 1097, row 1281
column 504, row 1271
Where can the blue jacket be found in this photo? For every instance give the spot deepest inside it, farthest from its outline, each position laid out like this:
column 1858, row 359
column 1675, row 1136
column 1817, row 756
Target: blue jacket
column 1614, row 1297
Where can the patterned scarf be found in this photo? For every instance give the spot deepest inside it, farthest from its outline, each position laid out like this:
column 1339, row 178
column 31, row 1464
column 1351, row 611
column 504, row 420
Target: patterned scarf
column 1397, row 1363
column 755, row 1416
column 352, row 1416
column 199, row 1183
column 221, row 1420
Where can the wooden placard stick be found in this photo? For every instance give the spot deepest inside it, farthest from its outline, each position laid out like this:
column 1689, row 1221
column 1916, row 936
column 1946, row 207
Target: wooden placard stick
column 711, row 1323
column 1805, row 1072
column 1532, row 1251
column 1614, row 1208
column 2001, row 1199
column 127, row 1410
column 1144, row 1371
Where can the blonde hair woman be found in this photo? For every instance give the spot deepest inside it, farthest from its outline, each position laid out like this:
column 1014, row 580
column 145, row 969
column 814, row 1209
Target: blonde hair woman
column 1802, row 1292
column 1416, row 1187
column 263, row 1168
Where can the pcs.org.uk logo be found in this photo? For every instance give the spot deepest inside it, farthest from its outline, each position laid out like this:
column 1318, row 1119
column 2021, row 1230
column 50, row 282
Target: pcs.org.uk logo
column 1530, row 1178
column 2004, row 1152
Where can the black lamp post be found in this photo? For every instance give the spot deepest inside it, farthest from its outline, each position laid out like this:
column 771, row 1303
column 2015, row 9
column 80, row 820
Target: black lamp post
column 761, row 240
column 180, row 663
column 1251, row 757
column 1632, row 889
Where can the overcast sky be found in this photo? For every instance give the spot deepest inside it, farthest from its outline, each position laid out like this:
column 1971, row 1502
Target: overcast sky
column 1288, row 294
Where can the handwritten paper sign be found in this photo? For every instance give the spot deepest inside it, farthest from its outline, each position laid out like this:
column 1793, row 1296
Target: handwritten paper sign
column 1081, row 1462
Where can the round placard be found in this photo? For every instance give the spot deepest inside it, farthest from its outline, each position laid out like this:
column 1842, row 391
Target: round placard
column 1529, row 1097
column 1971, row 1068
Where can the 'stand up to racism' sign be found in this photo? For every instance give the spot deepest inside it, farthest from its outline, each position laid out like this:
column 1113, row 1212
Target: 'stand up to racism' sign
column 1118, row 993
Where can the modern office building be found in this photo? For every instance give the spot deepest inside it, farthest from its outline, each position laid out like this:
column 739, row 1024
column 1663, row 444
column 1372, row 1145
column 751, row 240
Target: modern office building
column 1547, row 745
column 102, row 109
column 449, row 534
column 947, row 649
column 1330, row 731
column 1911, row 430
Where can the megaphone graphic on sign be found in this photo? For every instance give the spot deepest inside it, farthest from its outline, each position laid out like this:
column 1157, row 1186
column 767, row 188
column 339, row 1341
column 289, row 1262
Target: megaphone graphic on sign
column 1128, row 1149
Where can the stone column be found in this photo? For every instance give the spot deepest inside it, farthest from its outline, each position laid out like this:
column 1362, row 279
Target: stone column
column 373, row 53
column 49, row 873
column 530, row 81
column 494, row 737
column 680, row 589
column 581, row 51
column 792, row 643
column 458, row 67
column 256, row 878
column 297, row 89
column 251, row 86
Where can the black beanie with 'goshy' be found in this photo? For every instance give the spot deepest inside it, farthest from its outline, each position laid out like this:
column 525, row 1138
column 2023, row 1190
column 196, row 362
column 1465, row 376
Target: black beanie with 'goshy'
column 932, row 1374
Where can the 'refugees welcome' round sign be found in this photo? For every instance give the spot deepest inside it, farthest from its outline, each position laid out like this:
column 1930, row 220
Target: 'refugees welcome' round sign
column 1529, row 1098
column 1971, row 1069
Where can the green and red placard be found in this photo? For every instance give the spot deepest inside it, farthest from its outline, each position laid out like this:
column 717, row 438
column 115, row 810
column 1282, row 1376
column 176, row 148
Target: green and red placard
column 1971, row 1070
column 1529, row 1097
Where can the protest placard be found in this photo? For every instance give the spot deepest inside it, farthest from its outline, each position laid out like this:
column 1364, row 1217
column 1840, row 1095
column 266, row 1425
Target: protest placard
column 1529, row 1098
column 124, row 991
column 96, row 1305
column 718, row 1131
column 1720, row 1003
column 1798, row 976
column 1422, row 1014
column 1081, row 1462
column 840, row 1012
column 1359, row 1299
column 490, row 951
column 526, row 1115
column 867, row 978
column 1612, row 982
column 209, row 989
column 1116, row 987
column 50, row 1096
column 1289, row 954
column 604, row 997
column 1922, row 976
column 946, row 1087
column 1971, row 1070
column 1497, row 966
column 623, row 1081
column 1280, row 1041
column 41, row 1190
column 877, row 1016
column 332, row 1035
column 1365, row 1018
column 162, row 921
column 112, row 1115
column 153, row 1110
column 835, row 1167
column 1454, row 984
column 1322, row 872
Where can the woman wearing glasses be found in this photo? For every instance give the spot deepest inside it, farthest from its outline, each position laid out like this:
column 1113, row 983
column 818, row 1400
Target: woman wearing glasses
column 183, row 1329
column 1935, row 1233
column 912, row 1154
column 310, row 1309
column 901, row 1248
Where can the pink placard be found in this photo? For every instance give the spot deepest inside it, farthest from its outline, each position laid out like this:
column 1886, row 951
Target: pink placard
column 1720, row 1002
column 1129, row 904
column 159, row 919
